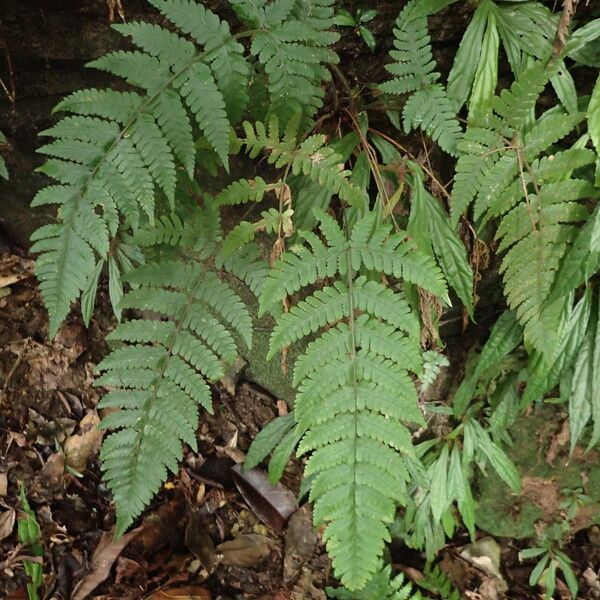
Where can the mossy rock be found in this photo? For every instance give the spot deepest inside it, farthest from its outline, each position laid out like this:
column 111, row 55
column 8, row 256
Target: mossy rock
column 503, row 513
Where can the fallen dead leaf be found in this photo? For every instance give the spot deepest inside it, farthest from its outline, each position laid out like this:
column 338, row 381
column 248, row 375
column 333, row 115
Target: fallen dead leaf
column 80, row 448
column 198, row 540
column 193, row 592
column 106, row 553
column 126, row 569
column 3, row 484
column 485, row 555
column 592, row 580
column 300, row 542
column 544, row 493
column 272, row 504
column 14, row 269
column 557, row 442
column 246, row 550
column 7, row 523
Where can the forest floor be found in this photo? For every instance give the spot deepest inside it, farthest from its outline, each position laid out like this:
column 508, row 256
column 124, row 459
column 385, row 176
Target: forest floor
column 211, row 533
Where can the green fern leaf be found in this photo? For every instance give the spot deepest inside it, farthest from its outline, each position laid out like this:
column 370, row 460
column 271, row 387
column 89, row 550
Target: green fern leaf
column 293, row 46
column 118, row 148
column 159, row 375
column 430, row 110
column 354, row 390
column 414, row 69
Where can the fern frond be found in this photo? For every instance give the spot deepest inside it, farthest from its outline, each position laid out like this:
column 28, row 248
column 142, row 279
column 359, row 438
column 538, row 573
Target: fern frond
column 373, row 248
column 118, row 150
column 382, row 586
column 354, row 390
column 311, row 157
column 430, row 110
column 158, row 377
column 293, row 46
column 534, row 195
column 413, row 68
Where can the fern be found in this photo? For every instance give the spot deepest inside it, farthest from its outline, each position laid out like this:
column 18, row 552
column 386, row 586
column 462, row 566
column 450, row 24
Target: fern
column 354, row 391
column 414, row 72
column 292, row 45
column 117, row 154
column 311, row 157
column 535, row 196
column 382, row 586
column 158, row 376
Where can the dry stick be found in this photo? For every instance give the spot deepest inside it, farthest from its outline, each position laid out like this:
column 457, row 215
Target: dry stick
column 562, row 31
column 413, row 157
column 15, row 365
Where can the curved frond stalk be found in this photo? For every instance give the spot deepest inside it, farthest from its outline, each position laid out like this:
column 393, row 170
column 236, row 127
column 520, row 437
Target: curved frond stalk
column 355, row 394
column 158, row 376
column 118, row 149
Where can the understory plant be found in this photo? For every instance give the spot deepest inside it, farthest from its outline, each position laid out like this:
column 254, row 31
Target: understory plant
column 354, row 246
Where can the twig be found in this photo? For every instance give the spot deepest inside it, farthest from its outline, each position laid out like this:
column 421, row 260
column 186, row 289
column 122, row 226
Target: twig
column 15, row 365
column 562, row 31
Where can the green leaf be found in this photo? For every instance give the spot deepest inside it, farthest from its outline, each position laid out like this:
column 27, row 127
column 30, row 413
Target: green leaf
column 267, row 439
column 502, row 464
column 531, row 553
column 344, row 19
column 464, row 67
column 451, row 252
column 593, row 116
column 367, row 15
column 497, row 458
column 582, row 391
column 439, row 492
column 565, row 566
column 115, row 286
column 486, row 77
column 282, row 452
column 595, row 383
column 88, row 298
column 456, row 479
column 368, row 38
column 537, row 571
column 505, row 336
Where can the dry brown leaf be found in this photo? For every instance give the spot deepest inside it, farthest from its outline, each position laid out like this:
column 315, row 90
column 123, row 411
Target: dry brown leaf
column 80, row 448
column 246, row 550
column 106, row 553
column 272, row 504
column 198, row 540
column 115, row 6
column 3, row 484
column 300, row 542
column 14, row 269
column 7, row 523
column 192, row 592
column 557, row 442
column 544, row 493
